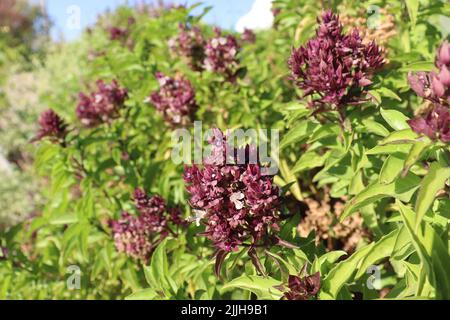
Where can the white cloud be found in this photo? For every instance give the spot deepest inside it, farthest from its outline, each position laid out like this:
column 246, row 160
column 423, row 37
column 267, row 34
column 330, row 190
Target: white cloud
column 258, row 18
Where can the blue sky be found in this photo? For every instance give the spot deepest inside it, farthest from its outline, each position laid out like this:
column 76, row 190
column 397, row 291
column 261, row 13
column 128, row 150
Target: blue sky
column 225, row 13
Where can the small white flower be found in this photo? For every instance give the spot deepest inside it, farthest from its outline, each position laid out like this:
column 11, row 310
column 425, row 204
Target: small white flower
column 98, row 98
column 199, row 215
column 223, row 41
column 236, row 199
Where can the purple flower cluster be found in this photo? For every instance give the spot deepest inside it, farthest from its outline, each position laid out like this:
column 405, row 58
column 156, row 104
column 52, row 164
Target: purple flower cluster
column 116, row 33
column 121, row 34
column 334, row 67
column 435, row 124
column 102, row 105
column 175, row 99
column 155, row 9
column 248, row 36
column 51, row 126
column 434, row 87
column 137, row 236
column 218, row 54
column 221, row 55
column 190, row 45
column 302, row 288
column 236, row 202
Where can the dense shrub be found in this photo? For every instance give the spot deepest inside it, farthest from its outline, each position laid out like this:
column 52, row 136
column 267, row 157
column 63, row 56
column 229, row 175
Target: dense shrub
column 364, row 159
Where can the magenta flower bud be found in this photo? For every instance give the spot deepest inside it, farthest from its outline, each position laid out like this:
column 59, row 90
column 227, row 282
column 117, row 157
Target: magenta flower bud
column 443, row 55
column 131, row 21
column 51, row 126
column 4, row 253
column 275, row 11
column 301, row 288
column 175, row 100
column 248, row 36
column 102, row 105
column 117, row 33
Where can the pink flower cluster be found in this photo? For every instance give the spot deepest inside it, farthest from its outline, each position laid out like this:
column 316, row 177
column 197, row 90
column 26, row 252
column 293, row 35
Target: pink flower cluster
column 137, row 236
column 116, row 33
column 334, row 67
column 434, row 87
column 121, row 34
column 190, row 45
column 102, row 105
column 236, row 202
column 175, row 99
column 4, row 253
column 248, row 36
column 218, row 54
column 221, row 55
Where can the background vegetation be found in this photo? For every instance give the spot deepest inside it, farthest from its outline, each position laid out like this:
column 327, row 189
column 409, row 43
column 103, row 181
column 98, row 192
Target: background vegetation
column 368, row 191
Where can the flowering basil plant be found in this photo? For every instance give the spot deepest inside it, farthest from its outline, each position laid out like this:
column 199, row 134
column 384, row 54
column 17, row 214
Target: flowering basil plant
column 357, row 208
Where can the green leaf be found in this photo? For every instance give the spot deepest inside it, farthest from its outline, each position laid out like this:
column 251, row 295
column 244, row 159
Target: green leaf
column 395, row 119
column 375, row 128
column 413, row 8
column 326, row 259
column 309, row 160
column 342, row 273
column 400, row 137
column 145, row 294
column 376, row 97
column 67, row 218
column 289, row 177
column 416, row 152
column 432, row 252
column 324, row 131
column 289, row 267
column 402, row 247
column 389, row 93
column 418, row 66
column 61, row 179
column 262, row 287
column 402, row 188
column 296, row 110
column 383, row 248
column 389, row 149
column 288, row 231
column 298, row 133
column 45, row 153
column 392, row 168
column 431, row 184
column 157, row 274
